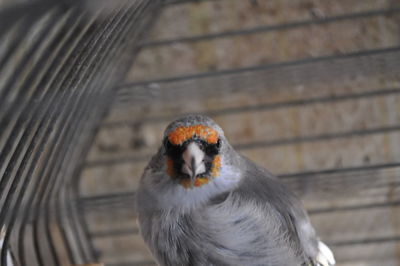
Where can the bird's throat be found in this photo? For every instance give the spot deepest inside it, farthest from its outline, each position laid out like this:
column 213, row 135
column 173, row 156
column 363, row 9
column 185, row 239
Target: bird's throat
column 198, row 182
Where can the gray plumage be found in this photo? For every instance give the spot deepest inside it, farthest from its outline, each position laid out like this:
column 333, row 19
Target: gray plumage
column 243, row 216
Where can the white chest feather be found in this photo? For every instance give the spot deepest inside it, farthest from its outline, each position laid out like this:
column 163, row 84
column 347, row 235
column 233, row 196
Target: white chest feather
column 169, row 194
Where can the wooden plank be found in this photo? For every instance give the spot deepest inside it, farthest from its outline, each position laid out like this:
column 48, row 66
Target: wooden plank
column 123, row 248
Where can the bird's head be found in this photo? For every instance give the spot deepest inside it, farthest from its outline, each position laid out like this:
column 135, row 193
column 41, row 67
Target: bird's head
column 192, row 150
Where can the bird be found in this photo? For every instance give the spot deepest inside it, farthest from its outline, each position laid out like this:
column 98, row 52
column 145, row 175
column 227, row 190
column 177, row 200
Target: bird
column 199, row 202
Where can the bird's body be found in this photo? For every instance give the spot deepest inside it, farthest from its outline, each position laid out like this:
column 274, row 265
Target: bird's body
column 242, row 215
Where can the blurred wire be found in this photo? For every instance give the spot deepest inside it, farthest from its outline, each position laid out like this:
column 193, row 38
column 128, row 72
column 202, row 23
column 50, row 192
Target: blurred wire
column 268, row 28
column 59, row 62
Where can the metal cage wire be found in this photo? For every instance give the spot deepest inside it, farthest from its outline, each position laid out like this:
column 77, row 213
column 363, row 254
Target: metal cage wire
column 59, row 64
column 56, row 90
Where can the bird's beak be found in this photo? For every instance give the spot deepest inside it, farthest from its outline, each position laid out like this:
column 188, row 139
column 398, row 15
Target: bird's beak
column 193, row 164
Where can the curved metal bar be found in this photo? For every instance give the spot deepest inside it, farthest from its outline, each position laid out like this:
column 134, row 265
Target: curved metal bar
column 71, row 41
column 39, row 44
column 75, row 123
column 47, row 216
column 12, row 138
column 73, row 212
column 53, row 98
column 17, row 177
column 38, row 114
column 52, row 159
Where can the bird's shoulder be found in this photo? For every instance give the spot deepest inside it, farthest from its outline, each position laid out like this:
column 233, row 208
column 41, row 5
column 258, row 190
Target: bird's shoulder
column 261, row 200
column 260, row 186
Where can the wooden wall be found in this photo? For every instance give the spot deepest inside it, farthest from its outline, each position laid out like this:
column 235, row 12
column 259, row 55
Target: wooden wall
column 311, row 92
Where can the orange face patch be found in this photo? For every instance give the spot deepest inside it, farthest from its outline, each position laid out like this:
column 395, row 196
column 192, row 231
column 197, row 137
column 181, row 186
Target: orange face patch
column 186, row 183
column 216, row 165
column 181, row 134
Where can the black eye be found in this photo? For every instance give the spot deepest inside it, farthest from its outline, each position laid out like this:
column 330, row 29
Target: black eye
column 172, row 150
column 218, row 144
column 213, row 149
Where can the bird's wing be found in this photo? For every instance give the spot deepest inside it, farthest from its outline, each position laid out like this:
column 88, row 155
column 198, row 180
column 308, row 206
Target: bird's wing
column 243, row 232
column 263, row 189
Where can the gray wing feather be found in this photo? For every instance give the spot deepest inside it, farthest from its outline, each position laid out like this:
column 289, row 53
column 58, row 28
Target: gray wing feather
column 259, row 223
column 262, row 188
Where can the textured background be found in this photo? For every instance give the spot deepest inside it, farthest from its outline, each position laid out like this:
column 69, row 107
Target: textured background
column 292, row 116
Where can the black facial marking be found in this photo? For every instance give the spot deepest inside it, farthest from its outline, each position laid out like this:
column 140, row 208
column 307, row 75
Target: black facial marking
column 212, row 149
column 175, row 152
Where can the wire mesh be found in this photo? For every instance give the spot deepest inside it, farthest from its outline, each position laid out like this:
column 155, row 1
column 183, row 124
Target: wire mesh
column 76, row 132
column 58, row 65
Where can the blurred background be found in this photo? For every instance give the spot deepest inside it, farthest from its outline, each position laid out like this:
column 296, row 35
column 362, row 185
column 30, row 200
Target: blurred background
column 309, row 89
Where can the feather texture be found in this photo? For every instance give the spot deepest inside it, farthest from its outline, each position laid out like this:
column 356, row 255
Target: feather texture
column 245, row 216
